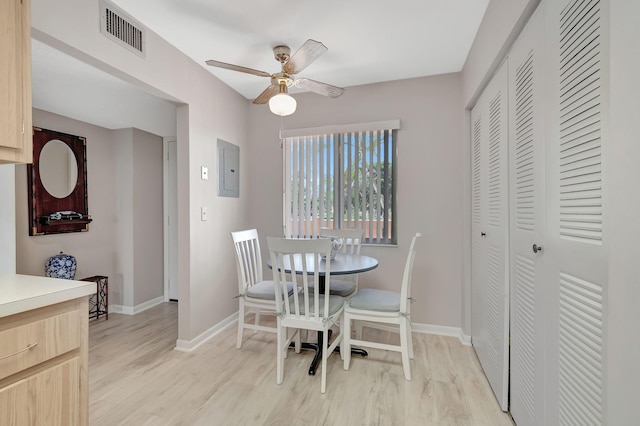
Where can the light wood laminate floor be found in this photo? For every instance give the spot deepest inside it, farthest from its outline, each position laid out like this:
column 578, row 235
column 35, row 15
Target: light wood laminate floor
column 136, row 378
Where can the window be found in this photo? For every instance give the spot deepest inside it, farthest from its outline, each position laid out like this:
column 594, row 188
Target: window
column 341, row 178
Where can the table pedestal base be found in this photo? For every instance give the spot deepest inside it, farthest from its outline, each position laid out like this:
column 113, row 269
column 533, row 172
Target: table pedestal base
column 318, row 350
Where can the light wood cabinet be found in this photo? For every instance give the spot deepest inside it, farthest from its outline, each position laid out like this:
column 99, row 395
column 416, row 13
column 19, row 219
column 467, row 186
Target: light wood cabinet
column 43, row 365
column 15, row 82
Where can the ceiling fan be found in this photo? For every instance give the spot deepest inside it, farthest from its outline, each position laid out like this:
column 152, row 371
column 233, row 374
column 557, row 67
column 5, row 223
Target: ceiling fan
column 276, row 94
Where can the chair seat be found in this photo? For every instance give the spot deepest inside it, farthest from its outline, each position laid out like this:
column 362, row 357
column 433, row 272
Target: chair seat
column 375, row 300
column 343, row 288
column 265, row 290
column 335, row 303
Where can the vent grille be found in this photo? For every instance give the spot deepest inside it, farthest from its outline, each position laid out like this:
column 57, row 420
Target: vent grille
column 580, row 125
column 494, row 181
column 524, row 157
column 580, row 396
column 122, row 28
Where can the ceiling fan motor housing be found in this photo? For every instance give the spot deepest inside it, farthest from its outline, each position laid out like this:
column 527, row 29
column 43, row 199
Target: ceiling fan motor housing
column 282, row 53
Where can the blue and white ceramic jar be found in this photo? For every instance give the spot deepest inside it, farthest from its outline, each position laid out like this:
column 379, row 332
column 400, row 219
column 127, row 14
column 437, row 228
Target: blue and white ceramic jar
column 61, row 266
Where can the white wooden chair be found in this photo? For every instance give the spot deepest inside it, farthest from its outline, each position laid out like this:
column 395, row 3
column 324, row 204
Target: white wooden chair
column 308, row 308
column 347, row 285
column 254, row 294
column 382, row 309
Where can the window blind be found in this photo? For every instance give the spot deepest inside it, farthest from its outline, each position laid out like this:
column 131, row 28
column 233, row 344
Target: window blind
column 340, row 180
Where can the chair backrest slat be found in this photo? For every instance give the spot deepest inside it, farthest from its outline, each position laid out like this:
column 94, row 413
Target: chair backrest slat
column 248, row 258
column 405, row 292
column 296, row 257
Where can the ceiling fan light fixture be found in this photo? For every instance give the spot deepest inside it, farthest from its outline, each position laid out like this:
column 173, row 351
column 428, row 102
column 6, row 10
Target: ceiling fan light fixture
column 282, row 104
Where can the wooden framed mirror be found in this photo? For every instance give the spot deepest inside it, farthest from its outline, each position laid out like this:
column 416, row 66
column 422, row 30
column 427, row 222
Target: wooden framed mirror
column 57, row 180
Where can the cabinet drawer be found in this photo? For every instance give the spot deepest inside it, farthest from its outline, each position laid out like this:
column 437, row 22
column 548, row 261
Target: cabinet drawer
column 49, row 398
column 46, row 338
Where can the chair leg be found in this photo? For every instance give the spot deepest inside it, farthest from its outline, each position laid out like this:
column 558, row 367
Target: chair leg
column 410, row 338
column 281, row 352
column 285, row 346
column 342, row 329
column 240, row 324
column 404, row 346
column 325, row 355
column 298, row 341
column 345, row 349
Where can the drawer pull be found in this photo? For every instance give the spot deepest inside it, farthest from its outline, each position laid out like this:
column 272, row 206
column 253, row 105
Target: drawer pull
column 31, row 346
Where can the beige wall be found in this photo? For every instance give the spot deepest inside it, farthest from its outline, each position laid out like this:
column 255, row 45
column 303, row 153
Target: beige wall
column 124, row 241
column 147, row 217
column 208, row 109
column 433, row 122
column 501, row 24
column 429, row 193
column 122, row 140
column 7, row 219
column 139, row 209
column 94, row 250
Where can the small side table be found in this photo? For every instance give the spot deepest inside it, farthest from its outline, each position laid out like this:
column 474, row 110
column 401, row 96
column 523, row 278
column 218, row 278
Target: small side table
column 99, row 304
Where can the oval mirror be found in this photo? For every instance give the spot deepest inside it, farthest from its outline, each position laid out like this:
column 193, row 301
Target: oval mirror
column 58, row 168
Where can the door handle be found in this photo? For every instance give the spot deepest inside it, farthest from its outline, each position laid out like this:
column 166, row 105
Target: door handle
column 483, row 234
column 537, row 248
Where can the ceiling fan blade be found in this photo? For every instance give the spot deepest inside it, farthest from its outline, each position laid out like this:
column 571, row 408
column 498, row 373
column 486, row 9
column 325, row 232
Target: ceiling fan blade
column 267, row 94
column 237, row 68
column 304, row 56
column 318, row 87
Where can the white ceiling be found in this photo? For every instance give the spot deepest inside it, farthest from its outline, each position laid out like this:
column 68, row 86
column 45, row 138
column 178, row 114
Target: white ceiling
column 66, row 86
column 368, row 40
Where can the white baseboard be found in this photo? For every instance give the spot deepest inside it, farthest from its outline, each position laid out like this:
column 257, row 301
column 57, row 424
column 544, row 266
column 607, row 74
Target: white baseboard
column 442, row 330
column 132, row 310
column 191, row 345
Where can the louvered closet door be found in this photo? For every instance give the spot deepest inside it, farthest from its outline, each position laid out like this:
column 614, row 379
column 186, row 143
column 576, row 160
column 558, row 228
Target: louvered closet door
column 527, row 212
column 479, row 327
column 489, row 332
column 576, row 246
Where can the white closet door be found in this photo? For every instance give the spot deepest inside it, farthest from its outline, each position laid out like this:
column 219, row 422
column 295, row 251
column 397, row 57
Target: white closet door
column 527, row 212
column 490, row 290
column 479, row 331
column 576, row 247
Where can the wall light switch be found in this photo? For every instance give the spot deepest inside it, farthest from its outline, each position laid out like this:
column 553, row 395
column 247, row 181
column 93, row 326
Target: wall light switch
column 203, row 213
column 205, row 173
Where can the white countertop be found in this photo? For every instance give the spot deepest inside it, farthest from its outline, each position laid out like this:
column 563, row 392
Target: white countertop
column 20, row 293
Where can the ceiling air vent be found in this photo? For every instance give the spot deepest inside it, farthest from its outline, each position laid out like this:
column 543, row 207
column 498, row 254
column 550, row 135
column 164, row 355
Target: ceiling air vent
column 122, row 28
